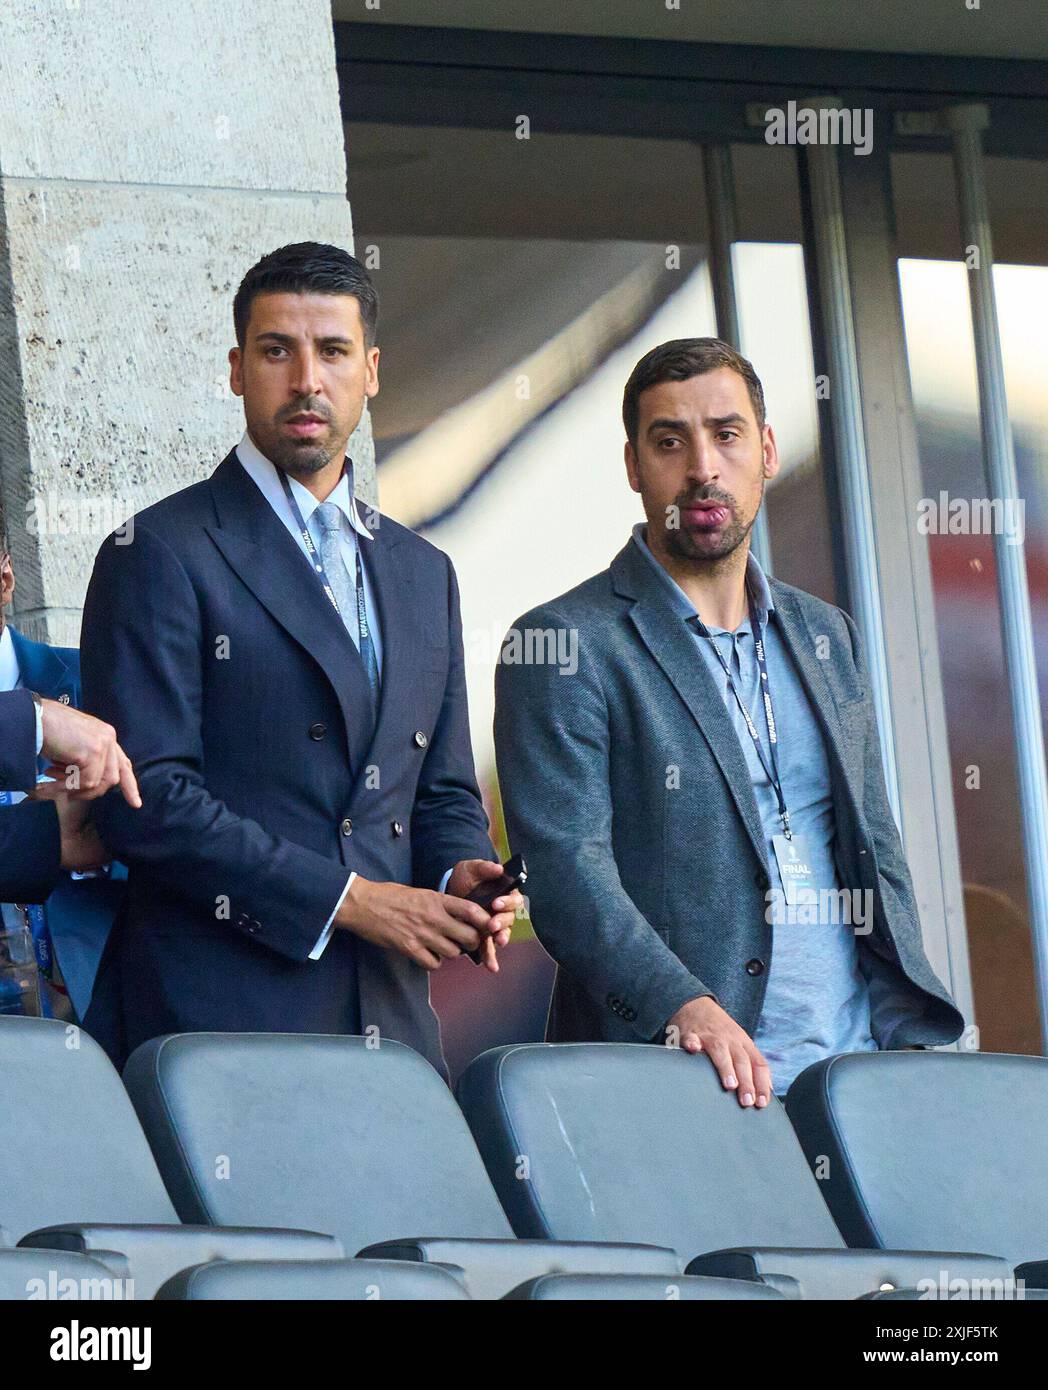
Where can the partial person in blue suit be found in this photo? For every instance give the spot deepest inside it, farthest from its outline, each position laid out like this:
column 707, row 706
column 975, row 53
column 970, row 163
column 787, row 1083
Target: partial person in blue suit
column 286, row 667
column 71, row 927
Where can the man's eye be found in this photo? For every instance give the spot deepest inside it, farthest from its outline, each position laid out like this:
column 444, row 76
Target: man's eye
column 726, row 436
column 271, row 351
column 669, row 442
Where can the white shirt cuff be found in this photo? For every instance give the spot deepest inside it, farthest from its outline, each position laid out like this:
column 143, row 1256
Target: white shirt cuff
column 39, row 728
column 325, row 936
column 444, row 881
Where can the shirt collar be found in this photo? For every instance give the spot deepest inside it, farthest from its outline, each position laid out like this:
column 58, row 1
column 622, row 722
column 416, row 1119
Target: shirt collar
column 10, row 675
column 756, row 582
column 267, row 477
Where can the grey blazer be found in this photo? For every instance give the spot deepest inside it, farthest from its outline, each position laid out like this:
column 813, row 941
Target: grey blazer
column 648, row 894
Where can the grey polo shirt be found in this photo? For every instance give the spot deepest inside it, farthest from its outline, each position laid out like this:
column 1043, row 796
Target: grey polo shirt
column 817, row 1002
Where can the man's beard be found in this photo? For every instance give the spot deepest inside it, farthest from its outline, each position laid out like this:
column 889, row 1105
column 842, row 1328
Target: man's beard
column 306, row 458
column 303, row 456
column 703, row 546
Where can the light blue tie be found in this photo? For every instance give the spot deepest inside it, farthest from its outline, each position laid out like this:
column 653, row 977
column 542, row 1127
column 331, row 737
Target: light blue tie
column 351, row 605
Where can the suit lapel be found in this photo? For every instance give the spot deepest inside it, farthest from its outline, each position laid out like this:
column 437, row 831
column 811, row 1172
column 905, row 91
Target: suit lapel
column 259, row 548
column 400, row 624
column 667, row 638
column 43, row 668
column 800, row 641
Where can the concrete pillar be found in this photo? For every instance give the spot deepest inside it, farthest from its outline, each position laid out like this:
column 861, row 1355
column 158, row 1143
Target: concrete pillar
column 149, row 154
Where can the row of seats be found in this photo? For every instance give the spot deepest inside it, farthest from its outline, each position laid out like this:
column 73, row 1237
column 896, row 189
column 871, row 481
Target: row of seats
column 250, row 1166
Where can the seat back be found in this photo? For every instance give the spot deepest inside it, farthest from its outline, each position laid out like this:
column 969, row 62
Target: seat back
column 629, row 1142
column 56, row 1274
column 315, row 1281
column 315, row 1132
column 931, row 1150
column 73, row 1150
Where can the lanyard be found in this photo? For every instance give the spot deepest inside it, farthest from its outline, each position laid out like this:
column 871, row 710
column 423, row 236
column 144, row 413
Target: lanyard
column 307, row 540
column 772, row 768
column 318, row 564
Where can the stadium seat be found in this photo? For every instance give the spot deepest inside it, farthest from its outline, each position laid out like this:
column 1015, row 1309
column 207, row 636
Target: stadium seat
column 330, row 1132
column 317, row 1281
column 931, row 1149
column 54, row 1274
column 919, row 1295
column 629, row 1142
column 636, row 1288
column 79, row 1174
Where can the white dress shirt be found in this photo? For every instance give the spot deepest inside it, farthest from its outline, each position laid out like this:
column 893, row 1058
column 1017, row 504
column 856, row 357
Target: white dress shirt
column 266, row 478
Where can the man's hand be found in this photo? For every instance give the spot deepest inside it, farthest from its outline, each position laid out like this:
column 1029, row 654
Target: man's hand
column 471, row 873
column 705, row 1027
column 424, row 926
column 73, row 739
column 81, row 847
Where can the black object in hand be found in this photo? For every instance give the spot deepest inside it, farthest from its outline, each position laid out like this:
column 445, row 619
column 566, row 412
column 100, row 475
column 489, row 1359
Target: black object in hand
column 514, row 875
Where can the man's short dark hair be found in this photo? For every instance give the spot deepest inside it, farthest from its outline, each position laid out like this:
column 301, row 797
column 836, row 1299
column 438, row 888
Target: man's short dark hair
column 307, row 267
column 680, row 360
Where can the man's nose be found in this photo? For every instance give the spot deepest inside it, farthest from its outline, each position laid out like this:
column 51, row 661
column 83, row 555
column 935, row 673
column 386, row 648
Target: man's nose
column 306, row 382
column 703, row 463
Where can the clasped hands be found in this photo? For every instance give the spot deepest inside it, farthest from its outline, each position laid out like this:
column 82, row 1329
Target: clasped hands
column 430, row 927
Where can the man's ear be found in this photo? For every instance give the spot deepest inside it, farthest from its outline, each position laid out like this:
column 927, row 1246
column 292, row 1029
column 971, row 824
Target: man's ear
column 629, row 453
column 771, row 452
column 236, row 371
column 371, row 378
column 7, row 581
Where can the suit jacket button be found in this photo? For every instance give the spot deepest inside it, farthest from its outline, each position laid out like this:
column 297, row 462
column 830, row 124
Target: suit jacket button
column 755, row 967
column 347, row 827
column 317, row 732
column 398, row 829
column 760, row 878
column 420, row 739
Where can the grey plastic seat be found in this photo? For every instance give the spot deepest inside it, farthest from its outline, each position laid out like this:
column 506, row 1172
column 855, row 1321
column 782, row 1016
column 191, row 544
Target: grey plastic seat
column 332, row 1133
column 628, row 1142
column 931, row 1149
column 919, row 1296
column 79, row 1175
column 634, row 1288
column 366, row 1281
column 54, row 1274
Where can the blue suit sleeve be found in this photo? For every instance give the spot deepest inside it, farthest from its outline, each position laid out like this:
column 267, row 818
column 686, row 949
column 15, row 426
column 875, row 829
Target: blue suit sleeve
column 17, row 741
column 30, row 851
column 448, row 822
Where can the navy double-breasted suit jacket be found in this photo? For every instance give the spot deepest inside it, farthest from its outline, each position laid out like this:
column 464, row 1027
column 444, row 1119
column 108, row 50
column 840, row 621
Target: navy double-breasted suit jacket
column 243, row 704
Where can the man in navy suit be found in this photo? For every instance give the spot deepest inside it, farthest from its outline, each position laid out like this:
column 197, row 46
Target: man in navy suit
column 287, row 668
column 49, row 834
column 75, row 921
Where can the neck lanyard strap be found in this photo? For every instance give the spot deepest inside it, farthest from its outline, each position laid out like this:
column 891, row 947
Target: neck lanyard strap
column 307, row 541
column 770, row 767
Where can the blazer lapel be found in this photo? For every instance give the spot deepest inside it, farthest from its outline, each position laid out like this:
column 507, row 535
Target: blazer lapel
column 393, row 584
column 42, row 668
column 800, row 641
column 259, row 548
column 671, row 644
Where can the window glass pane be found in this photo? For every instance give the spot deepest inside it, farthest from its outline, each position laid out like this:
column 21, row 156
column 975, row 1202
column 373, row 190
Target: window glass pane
column 943, row 375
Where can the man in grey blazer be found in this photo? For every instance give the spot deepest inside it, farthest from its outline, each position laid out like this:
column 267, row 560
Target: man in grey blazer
column 690, row 765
